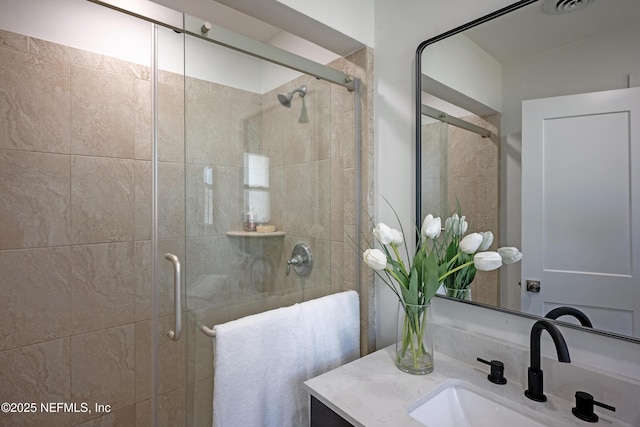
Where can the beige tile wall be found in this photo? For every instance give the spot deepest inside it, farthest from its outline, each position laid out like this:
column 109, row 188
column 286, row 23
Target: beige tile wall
column 460, row 166
column 75, row 198
column 75, row 224
column 435, row 170
column 474, row 179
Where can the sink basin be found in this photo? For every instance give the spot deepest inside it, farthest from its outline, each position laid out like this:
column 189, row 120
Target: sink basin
column 457, row 403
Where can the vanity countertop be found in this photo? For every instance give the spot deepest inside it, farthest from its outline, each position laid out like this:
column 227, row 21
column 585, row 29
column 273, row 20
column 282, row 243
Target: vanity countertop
column 372, row 391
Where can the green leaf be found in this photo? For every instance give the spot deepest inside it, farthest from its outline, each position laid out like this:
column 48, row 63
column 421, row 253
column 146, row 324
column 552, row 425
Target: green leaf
column 418, row 266
column 472, row 274
column 413, row 284
column 410, row 295
column 401, row 279
column 431, row 276
column 459, row 278
column 418, row 259
column 442, row 269
column 452, row 249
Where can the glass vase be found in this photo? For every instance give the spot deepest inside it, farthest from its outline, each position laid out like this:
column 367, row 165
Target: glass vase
column 414, row 340
column 461, row 294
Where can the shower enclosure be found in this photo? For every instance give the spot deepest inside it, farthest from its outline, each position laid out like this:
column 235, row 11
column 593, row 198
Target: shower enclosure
column 154, row 165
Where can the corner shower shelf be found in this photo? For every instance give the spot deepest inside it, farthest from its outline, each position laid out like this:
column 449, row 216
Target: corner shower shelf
column 254, row 234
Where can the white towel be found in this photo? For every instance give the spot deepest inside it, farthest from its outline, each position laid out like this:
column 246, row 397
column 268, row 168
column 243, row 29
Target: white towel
column 261, row 361
column 331, row 328
column 256, row 360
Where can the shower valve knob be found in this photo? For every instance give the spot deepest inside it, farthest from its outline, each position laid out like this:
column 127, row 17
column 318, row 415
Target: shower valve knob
column 301, row 259
column 295, row 261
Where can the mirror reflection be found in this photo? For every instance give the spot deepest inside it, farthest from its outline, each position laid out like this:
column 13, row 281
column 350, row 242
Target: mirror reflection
column 530, row 124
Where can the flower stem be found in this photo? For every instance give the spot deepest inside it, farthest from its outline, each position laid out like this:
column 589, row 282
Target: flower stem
column 460, row 267
column 395, row 276
column 422, row 326
column 453, row 259
column 399, row 258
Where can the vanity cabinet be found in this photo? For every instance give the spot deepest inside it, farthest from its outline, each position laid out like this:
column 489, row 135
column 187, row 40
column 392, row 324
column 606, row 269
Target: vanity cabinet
column 322, row 416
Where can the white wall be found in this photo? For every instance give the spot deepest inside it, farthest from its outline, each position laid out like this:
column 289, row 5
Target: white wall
column 354, row 18
column 449, row 61
column 104, row 31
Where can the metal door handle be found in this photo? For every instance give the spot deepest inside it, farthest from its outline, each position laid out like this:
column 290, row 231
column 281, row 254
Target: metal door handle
column 177, row 297
column 533, row 286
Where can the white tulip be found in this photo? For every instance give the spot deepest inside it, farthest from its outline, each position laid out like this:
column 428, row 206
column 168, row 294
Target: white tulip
column 487, row 240
column 397, row 237
column 463, row 225
column 383, row 233
column 375, row 259
column 431, row 227
column 510, row 255
column 456, row 225
column 470, row 243
column 487, row 261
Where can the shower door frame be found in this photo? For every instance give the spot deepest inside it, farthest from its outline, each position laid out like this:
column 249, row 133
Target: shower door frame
column 197, row 27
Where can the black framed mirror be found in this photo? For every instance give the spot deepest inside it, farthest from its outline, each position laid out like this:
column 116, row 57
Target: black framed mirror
column 470, row 87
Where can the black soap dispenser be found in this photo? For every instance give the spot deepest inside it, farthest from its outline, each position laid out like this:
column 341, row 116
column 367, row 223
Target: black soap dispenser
column 497, row 371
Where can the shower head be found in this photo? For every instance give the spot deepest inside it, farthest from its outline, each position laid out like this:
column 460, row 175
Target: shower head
column 285, row 98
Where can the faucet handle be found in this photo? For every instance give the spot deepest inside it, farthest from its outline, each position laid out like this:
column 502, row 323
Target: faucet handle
column 584, row 407
column 497, row 371
column 301, row 259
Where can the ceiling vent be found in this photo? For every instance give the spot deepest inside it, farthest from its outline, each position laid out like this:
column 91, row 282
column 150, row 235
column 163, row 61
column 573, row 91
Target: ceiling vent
column 559, row 7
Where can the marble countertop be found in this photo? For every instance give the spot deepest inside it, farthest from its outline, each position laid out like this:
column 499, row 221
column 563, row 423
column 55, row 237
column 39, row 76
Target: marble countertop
column 372, row 391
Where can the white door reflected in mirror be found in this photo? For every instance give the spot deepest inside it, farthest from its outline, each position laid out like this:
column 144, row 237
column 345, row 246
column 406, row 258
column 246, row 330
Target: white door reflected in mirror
column 581, row 206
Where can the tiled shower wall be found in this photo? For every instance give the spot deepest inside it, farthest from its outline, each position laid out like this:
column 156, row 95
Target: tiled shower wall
column 75, row 225
column 461, row 166
column 71, row 158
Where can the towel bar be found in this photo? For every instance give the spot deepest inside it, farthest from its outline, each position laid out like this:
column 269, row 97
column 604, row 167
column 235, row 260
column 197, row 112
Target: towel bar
column 208, row 332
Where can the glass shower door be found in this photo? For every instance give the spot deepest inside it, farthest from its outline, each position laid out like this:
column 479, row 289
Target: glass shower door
column 228, row 144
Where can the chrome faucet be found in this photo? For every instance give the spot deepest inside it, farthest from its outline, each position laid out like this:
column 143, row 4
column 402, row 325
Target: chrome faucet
column 534, row 391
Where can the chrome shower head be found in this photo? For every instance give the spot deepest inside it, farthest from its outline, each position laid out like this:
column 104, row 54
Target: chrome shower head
column 285, row 98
